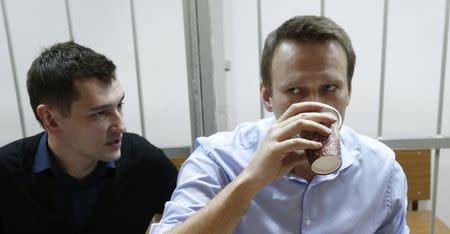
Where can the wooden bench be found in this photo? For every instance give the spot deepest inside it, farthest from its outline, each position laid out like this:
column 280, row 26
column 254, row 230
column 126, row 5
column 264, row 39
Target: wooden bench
column 417, row 166
column 177, row 162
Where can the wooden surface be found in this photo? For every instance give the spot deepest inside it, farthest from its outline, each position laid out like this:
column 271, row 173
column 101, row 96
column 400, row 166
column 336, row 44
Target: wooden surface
column 177, row 162
column 417, row 166
column 419, row 223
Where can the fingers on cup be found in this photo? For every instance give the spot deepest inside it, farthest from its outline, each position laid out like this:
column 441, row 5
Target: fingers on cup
column 302, row 125
column 293, row 144
column 301, row 107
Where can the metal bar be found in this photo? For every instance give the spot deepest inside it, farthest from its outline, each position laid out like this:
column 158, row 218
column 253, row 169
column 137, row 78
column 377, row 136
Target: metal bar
column 322, row 7
column 177, row 152
column 443, row 69
column 439, row 120
column 383, row 69
column 193, row 69
column 207, row 78
column 13, row 68
column 69, row 19
column 260, row 48
column 219, row 85
column 437, row 142
column 434, row 190
column 138, row 70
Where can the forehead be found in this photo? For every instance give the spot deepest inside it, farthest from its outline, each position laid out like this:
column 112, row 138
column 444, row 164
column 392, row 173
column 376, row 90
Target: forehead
column 92, row 91
column 292, row 58
column 308, row 53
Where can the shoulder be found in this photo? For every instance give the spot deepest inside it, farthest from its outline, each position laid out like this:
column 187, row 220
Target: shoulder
column 14, row 153
column 376, row 166
column 228, row 152
column 367, row 146
column 138, row 146
column 246, row 135
column 138, row 153
column 373, row 157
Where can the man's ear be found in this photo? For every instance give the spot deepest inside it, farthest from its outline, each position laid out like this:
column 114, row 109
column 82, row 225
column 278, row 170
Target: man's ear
column 48, row 117
column 349, row 96
column 265, row 97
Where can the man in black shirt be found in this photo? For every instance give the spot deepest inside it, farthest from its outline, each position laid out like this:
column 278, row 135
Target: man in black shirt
column 84, row 174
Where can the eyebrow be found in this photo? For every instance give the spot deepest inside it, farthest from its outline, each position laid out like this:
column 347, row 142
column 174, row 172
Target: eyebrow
column 101, row 107
column 296, row 82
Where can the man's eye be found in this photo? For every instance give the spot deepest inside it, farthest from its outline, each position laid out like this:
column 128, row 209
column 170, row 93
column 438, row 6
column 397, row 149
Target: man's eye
column 295, row 90
column 99, row 114
column 329, row 88
column 120, row 106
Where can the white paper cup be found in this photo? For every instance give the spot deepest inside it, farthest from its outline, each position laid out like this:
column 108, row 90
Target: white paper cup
column 327, row 159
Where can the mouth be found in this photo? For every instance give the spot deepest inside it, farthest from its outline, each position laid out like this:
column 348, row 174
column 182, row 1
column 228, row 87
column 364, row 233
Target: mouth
column 115, row 143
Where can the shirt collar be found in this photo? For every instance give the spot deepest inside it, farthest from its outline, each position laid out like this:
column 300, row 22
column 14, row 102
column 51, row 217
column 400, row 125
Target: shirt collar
column 42, row 160
column 349, row 153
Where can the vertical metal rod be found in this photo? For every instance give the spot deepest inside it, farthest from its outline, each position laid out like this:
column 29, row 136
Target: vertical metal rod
column 69, row 19
column 443, row 69
column 138, row 70
column 434, row 192
column 322, row 7
column 440, row 113
column 13, row 68
column 383, row 69
column 260, row 47
column 193, row 69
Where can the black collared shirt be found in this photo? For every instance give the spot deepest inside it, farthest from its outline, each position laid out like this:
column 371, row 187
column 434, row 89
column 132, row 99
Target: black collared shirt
column 48, row 202
column 74, row 199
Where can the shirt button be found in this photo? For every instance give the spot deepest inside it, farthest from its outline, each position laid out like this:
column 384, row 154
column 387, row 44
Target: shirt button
column 308, row 222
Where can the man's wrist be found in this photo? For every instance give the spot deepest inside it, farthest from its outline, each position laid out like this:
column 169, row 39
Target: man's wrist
column 250, row 183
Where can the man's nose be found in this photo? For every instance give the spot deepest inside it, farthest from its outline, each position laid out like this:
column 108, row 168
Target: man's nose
column 118, row 123
column 313, row 97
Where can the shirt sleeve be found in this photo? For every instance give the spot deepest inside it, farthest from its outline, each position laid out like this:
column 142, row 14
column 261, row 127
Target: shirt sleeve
column 398, row 202
column 199, row 180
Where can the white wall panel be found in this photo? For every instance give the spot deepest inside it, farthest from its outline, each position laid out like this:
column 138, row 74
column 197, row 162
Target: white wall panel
column 413, row 61
column 274, row 12
column 366, row 36
column 160, row 31
column 105, row 26
column 34, row 25
column 10, row 122
column 241, row 48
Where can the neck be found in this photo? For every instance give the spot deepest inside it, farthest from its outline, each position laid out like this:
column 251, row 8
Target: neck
column 73, row 163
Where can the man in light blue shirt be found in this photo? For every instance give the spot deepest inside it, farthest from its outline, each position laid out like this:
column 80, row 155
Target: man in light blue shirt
column 257, row 179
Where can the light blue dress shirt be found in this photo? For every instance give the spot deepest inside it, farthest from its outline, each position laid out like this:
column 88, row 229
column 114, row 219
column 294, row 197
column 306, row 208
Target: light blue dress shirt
column 366, row 195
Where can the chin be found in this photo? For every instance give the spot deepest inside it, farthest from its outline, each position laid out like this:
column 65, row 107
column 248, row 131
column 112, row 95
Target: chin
column 111, row 157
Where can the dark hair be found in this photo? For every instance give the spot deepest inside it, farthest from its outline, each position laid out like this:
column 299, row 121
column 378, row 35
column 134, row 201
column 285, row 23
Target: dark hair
column 51, row 75
column 305, row 29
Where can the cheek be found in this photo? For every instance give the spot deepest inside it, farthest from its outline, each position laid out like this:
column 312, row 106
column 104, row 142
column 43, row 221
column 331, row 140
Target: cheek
column 281, row 105
column 96, row 130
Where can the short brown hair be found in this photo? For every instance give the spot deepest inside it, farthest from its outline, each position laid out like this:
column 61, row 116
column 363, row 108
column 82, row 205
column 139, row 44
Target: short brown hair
column 306, row 29
column 50, row 79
